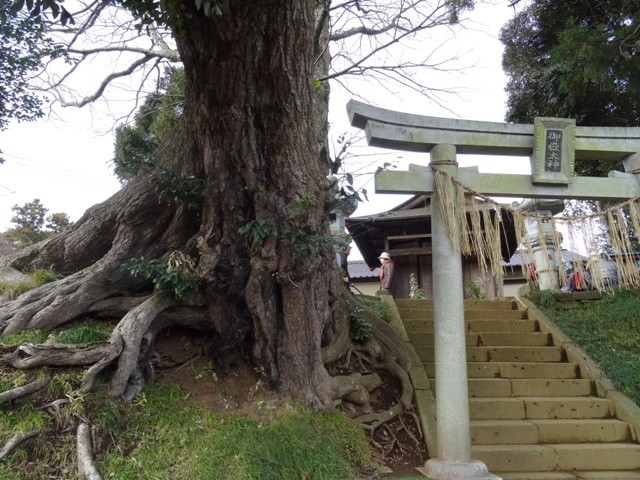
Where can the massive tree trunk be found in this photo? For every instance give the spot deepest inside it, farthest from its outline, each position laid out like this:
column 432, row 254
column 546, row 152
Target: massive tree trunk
column 250, row 130
column 249, row 111
column 253, row 131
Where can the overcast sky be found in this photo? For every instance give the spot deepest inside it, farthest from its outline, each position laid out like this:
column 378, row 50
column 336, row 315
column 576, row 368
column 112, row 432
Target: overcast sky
column 65, row 161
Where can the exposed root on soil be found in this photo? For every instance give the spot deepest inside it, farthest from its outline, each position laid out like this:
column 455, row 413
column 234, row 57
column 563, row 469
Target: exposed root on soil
column 23, row 391
column 382, row 351
column 130, row 350
column 86, row 467
column 31, row 355
column 17, row 439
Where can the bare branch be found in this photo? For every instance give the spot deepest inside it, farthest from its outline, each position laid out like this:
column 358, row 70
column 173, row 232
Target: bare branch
column 375, row 30
column 171, row 55
column 105, row 83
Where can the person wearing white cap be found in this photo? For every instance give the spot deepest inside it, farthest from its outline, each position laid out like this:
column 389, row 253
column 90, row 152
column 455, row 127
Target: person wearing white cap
column 387, row 269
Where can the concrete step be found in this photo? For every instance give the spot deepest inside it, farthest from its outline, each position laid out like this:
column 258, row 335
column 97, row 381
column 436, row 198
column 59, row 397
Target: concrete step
column 515, row 458
column 426, row 339
column 482, row 314
column 477, row 326
column 611, row 475
column 590, row 456
column 538, row 476
column 505, row 339
column 503, row 387
column 563, row 407
column 524, row 354
column 514, row 370
column 498, row 339
column 582, row 431
column 540, row 408
column 532, row 432
column 556, row 457
column 501, row 354
column 503, row 432
column 524, row 325
column 505, row 304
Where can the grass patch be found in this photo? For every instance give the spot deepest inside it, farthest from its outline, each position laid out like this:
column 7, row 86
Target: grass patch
column 163, row 435
column 11, row 290
column 25, row 336
column 177, row 441
column 376, row 305
column 609, row 331
column 42, row 276
column 85, row 333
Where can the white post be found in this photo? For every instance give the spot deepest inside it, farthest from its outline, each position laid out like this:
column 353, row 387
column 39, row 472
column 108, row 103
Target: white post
column 452, row 396
column 543, row 246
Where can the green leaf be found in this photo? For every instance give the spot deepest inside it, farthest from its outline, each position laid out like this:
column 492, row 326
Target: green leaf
column 198, row 4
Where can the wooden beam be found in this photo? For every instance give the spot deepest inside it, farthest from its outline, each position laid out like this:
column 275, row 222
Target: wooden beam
column 403, row 252
column 409, row 237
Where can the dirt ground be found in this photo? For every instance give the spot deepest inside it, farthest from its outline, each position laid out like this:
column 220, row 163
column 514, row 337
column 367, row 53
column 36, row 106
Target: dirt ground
column 398, row 444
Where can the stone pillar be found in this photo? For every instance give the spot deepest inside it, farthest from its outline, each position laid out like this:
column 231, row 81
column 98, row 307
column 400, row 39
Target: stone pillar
column 452, row 396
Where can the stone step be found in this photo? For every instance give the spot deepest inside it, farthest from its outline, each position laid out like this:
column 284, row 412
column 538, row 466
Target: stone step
column 505, row 304
column 524, row 325
column 532, row 432
column 559, row 457
column 514, row 370
column 502, row 339
column 515, row 458
column 503, row 432
column 582, row 431
column 504, row 387
column 506, row 339
column 610, row 475
column 601, row 475
column 501, row 354
column 415, row 314
column 477, row 326
column 427, row 339
column 538, row 476
column 590, row 456
column 514, row 408
column 524, row 354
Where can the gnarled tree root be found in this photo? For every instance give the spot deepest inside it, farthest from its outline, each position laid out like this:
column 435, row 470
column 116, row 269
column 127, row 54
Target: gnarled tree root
column 31, row 355
column 130, row 343
column 23, row 391
column 384, row 350
column 86, row 467
column 16, row 440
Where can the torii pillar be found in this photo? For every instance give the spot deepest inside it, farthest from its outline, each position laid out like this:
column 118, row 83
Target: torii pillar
column 452, row 395
column 552, row 145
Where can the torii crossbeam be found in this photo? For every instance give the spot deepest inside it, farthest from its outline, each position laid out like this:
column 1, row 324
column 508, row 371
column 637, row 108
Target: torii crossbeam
column 553, row 146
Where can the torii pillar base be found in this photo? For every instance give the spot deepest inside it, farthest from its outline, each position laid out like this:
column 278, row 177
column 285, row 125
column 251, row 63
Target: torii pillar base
column 443, row 470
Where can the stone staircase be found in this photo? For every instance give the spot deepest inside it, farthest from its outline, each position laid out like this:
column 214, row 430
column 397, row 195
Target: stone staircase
column 537, row 412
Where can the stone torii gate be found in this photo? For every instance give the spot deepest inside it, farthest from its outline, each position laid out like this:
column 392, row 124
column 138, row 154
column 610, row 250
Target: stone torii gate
column 553, row 145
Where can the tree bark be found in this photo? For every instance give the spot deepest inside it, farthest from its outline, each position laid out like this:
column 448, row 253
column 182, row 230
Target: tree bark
column 253, row 131
column 251, row 111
